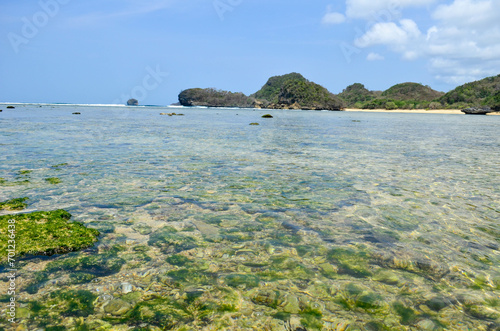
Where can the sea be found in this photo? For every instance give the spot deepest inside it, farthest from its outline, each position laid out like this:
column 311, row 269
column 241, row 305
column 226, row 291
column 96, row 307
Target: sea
column 220, row 219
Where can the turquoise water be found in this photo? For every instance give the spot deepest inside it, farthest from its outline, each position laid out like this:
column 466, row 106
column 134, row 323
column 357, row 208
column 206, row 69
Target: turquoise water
column 325, row 220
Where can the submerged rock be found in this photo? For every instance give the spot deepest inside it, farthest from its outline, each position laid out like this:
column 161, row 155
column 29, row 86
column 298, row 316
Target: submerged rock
column 117, row 307
column 142, row 228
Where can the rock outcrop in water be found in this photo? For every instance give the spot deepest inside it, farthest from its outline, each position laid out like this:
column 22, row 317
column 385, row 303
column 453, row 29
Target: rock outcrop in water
column 477, row 110
column 211, row 97
column 132, row 102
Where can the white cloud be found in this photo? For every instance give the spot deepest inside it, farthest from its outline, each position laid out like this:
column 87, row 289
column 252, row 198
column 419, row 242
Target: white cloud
column 375, row 57
column 462, row 45
column 471, row 13
column 333, row 18
column 390, row 34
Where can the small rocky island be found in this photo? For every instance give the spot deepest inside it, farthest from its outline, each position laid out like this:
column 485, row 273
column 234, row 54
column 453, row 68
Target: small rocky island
column 132, row 102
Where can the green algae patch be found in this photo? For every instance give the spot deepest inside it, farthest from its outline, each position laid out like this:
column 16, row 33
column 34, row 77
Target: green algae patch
column 351, row 262
column 169, row 240
column 4, row 182
column 72, row 303
column 53, row 180
column 161, row 312
column 43, row 233
column 14, row 204
column 236, row 280
column 60, row 165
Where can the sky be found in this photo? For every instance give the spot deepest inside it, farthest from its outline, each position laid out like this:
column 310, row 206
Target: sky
column 106, row 51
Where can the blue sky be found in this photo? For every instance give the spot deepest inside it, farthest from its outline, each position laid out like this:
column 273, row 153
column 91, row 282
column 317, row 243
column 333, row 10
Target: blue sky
column 105, row 51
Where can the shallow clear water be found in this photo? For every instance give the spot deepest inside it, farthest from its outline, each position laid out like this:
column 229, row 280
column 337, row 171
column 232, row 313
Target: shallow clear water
column 349, row 220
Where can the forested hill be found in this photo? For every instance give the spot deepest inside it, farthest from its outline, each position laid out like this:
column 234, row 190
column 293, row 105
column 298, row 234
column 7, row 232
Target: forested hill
column 293, row 91
column 485, row 92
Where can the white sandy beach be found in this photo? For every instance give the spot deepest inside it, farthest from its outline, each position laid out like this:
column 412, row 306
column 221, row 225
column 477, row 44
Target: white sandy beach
column 414, row 111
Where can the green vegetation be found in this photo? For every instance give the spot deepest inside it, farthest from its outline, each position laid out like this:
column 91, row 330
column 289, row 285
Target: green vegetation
column 14, row 204
column 73, row 303
column 494, row 101
column 306, row 95
column 53, row 180
column 411, row 92
column 44, row 233
column 351, row 262
column 293, row 91
column 280, row 92
column 400, row 96
column 356, row 95
column 81, row 269
column 4, row 182
column 485, row 92
column 60, row 165
column 271, row 90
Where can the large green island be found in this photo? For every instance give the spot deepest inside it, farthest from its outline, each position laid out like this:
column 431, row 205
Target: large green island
column 293, row 91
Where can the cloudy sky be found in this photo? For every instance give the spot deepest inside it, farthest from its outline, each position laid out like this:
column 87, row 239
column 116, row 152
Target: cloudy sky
column 104, row 51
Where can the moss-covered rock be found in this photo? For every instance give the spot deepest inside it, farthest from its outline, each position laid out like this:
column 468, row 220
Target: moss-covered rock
column 44, row 233
column 14, row 204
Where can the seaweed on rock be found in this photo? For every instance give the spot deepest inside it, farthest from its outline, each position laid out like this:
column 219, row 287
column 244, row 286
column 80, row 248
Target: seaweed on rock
column 14, row 204
column 44, row 233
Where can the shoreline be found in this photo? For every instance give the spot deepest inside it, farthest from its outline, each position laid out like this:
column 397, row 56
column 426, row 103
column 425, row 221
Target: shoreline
column 414, row 111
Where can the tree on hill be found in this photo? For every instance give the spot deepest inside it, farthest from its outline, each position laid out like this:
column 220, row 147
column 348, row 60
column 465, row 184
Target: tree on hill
column 308, row 95
column 271, row 90
column 356, row 94
column 411, row 91
column 400, row 96
column 478, row 93
column 494, row 101
column 294, row 91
